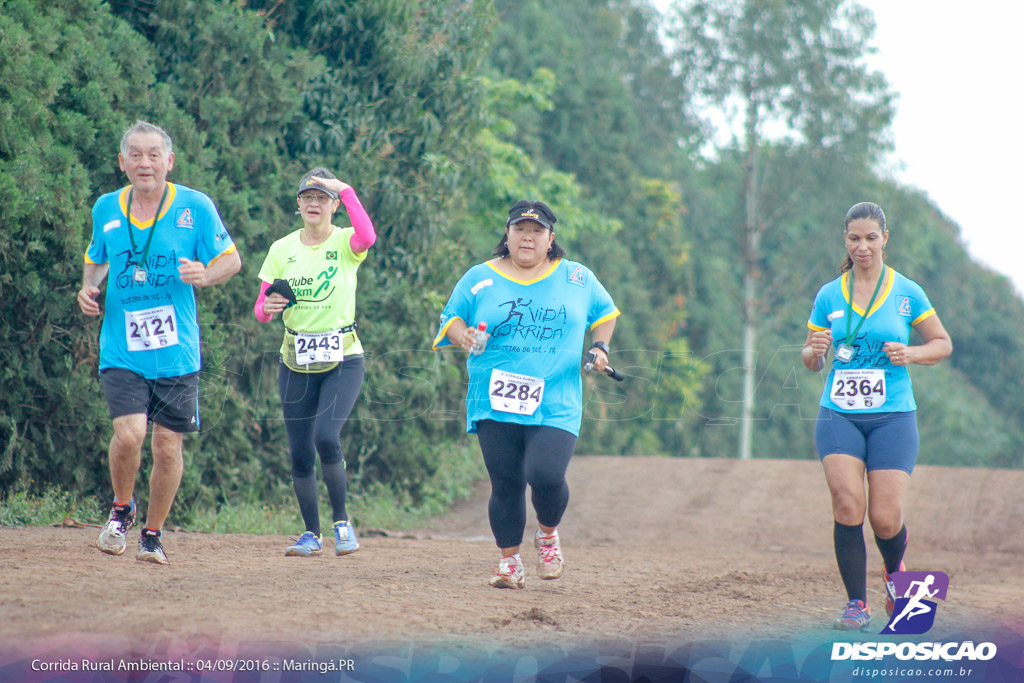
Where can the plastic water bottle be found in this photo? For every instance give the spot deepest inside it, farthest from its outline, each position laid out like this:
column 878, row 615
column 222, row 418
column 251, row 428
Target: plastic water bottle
column 480, row 335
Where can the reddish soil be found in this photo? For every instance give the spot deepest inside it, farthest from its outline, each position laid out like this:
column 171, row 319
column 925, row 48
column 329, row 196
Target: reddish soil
column 657, row 550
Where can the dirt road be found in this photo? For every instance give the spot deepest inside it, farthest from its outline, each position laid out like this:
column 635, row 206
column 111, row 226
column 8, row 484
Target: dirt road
column 659, row 552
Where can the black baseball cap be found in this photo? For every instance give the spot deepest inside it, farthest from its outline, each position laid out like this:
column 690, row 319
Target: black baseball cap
column 532, row 210
column 307, row 183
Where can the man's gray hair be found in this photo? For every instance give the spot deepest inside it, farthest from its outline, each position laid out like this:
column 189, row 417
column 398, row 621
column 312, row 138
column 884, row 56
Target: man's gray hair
column 146, row 127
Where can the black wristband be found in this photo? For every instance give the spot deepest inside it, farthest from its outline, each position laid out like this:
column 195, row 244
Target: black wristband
column 603, row 346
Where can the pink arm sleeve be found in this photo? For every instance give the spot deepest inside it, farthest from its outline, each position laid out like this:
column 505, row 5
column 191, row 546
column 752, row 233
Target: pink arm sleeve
column 258, row 309
column 365, row 235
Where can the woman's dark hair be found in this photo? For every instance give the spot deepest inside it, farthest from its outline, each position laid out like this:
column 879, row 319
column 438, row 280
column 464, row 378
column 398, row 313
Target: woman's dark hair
column 536, row 211
column 555, row 251
column 856, row 212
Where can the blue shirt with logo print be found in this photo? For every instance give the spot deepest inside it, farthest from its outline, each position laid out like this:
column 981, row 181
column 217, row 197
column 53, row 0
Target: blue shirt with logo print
column 150, row 325
column 900, row 305
column 537, row 330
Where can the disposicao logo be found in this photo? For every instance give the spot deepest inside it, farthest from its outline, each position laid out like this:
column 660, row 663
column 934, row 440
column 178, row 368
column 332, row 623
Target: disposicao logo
column 914, row 613
column 947, row 652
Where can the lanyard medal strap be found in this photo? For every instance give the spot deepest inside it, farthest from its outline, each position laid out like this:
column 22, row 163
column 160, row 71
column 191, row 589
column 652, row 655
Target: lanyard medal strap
column 846, row 352
column 140, row 268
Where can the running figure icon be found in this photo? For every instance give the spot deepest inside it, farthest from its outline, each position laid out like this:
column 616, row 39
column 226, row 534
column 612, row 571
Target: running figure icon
column 915, row 606
column 917, row 593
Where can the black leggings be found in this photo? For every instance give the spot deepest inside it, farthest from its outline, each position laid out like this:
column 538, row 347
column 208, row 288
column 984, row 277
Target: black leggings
column 316, row 406
column 517, row 455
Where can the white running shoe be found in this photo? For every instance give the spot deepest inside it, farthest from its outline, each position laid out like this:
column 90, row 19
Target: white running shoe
column 112, row 539
column 549, row 555
column 150, row 547
column 509, row 573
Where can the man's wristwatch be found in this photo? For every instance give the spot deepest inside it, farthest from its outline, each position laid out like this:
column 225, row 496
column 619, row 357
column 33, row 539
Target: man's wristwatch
column 603, row 346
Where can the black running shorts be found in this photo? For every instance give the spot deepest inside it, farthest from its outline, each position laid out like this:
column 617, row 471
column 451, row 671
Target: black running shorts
column 172, row 402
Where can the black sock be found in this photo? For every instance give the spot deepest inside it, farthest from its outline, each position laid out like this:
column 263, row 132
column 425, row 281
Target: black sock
column 337, row 484
column 305, row 491
column 852, row 558
column 892, row 549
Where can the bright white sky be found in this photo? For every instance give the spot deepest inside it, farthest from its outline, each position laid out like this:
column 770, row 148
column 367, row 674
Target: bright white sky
column 958, row 132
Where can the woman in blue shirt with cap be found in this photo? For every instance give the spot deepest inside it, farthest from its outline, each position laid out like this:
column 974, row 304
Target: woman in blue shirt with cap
column 524, row 399
column 867, row 420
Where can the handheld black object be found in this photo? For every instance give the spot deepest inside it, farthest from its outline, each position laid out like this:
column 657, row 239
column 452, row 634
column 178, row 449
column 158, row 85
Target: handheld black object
column 608, row 370
column 284, row 289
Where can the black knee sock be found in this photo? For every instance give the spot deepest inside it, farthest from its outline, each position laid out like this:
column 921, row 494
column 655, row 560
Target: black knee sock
column 337, row 485
column 852, row 558
column 892, row 549
column 305, row 491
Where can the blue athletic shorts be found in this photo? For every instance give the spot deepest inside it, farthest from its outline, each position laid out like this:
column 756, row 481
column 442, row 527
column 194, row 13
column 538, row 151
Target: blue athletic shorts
column 884, row 441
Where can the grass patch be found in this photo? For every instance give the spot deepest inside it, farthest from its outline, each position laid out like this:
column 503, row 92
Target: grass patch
column 370, row 504
column 47, row 509
column 249, row 517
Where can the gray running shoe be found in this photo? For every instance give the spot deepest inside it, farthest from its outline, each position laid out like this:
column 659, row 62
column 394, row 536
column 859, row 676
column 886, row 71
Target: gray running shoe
column 150, row 548
column 549, row 556
column 112, row 539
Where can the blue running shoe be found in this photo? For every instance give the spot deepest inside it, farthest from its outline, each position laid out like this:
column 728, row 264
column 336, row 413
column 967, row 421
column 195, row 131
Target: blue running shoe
column 345, row 540
column 856, row 617
column 308, row 544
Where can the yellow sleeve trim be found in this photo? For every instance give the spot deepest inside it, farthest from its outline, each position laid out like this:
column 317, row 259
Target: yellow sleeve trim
column 441, row 334
column 927, row 314
column 227, row 251
column 614, row 314
column 90, row 262
column 815, row 327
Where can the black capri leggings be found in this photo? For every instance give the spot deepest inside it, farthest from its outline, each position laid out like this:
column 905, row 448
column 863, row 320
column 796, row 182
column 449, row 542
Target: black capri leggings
column 316, row 405
column 517, row 455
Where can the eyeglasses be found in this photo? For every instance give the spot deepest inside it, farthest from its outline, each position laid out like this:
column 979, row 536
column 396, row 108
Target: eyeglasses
column 310, row 198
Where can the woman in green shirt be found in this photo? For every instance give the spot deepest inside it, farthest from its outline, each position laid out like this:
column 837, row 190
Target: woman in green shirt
column 309, row 278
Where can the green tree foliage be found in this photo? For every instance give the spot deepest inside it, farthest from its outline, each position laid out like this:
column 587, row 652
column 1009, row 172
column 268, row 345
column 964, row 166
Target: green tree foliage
column 983, row 315
column 614, row 121
column 798, row 64
column 395, row 112
column 441, row 113
column 234, row 93
column 68, row 71
column 801, row 247
column 251, row 106
column 617, row 112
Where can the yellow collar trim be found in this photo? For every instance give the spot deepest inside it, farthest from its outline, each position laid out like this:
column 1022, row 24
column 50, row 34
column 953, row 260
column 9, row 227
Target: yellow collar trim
column 142, row 225
column 526, row 282
column 844, row 287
